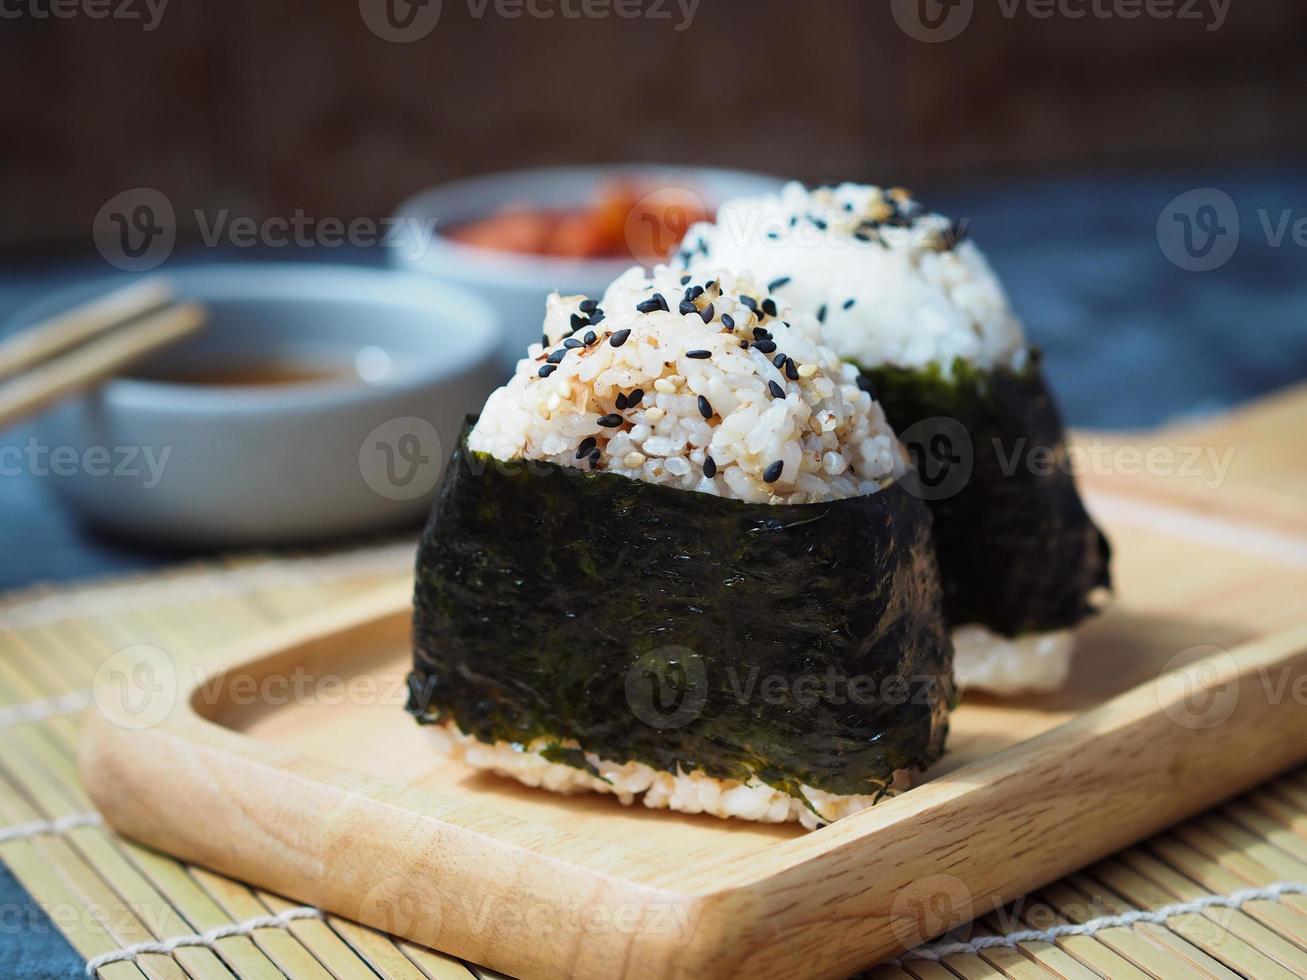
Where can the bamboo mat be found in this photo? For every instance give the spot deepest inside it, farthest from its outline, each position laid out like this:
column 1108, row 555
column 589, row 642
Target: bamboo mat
column 105, row 893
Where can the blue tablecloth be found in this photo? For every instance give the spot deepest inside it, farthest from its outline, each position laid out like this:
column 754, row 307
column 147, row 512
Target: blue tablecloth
column 1131, row 340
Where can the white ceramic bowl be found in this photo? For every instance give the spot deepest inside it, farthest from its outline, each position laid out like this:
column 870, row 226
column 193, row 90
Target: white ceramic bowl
column 278, row 464
column 517, row 284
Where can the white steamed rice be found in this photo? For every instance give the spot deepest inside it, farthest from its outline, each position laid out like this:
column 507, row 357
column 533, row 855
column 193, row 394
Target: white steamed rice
column 715, row 413
column 683, row 792
column 892, row 283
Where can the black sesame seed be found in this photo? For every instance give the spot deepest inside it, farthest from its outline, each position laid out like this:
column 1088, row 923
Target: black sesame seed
column 821, row 225
column 547, row 369
column 687, row 306
column 590, row 337
column 634, row 398
column 571, row 343
column 597, row 318
column 769, row 306
column 589, row 305
column 766, row 346
column 619, row 338
column 579, row 321
column 662, row 301
column 749, row 302
column 587, row 446
column 761, row 333
column 709, row 467
column 544, row 340
column 610, row 421
column 699, row 355
column 705, row 407
column 621, row 402
column 776, row 284
column 865, row 384
column 651, row 305
column 744, row 345
column 821, row 313
column 773, row 472
column 707, row 313
column 594, row 459
column 778, row 360
column 848, row 303
column 791, row 369
column 773, row 236
column 557, row 356
column 862, row 236
column 684, row 280
column 696, row 292
column 776, row 390
column 728, row 321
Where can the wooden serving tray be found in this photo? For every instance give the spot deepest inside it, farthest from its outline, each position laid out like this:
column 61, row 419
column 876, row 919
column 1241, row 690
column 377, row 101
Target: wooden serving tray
column 297, row 770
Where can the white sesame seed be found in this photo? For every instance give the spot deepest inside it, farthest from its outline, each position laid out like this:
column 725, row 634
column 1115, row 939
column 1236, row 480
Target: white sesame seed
column 665, row 386
column 633, row 459
column 807, row 370
column 654, row 415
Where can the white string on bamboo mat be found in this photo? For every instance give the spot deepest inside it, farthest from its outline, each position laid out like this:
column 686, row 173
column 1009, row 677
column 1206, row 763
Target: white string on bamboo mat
column 205, row 585
column 281, row 920
column 1158, row 916
column 68, row 703
column 59, row 825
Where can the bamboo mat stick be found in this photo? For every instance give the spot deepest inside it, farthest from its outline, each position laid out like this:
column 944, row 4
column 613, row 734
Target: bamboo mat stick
column 1115, row 889
column 1250, row 819
column 1239, row 923
column 1038, row 913
column 319, row 939
column 108, row 861
column 1270, row 801
column 892, row 973
column 1289, row 915
column 47, row 884
column 925, row 970
column 1146, row 956
column 438, row 966
column 279, row 945
column 1052, row 960
column 378, row 950
column 99, row 359
column 44, row 340
column 1210, row 933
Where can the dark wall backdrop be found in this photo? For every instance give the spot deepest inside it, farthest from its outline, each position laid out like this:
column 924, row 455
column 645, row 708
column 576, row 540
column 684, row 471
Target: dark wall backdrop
column 272, row 105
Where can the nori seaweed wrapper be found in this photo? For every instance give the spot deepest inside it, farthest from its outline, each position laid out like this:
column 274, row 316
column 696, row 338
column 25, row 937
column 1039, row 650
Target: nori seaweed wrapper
column 801, row 643
column 1017, row 550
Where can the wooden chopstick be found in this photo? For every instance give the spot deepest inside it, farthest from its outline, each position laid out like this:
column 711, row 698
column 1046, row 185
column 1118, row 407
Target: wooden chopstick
column 96, row 360
column 42, row 342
